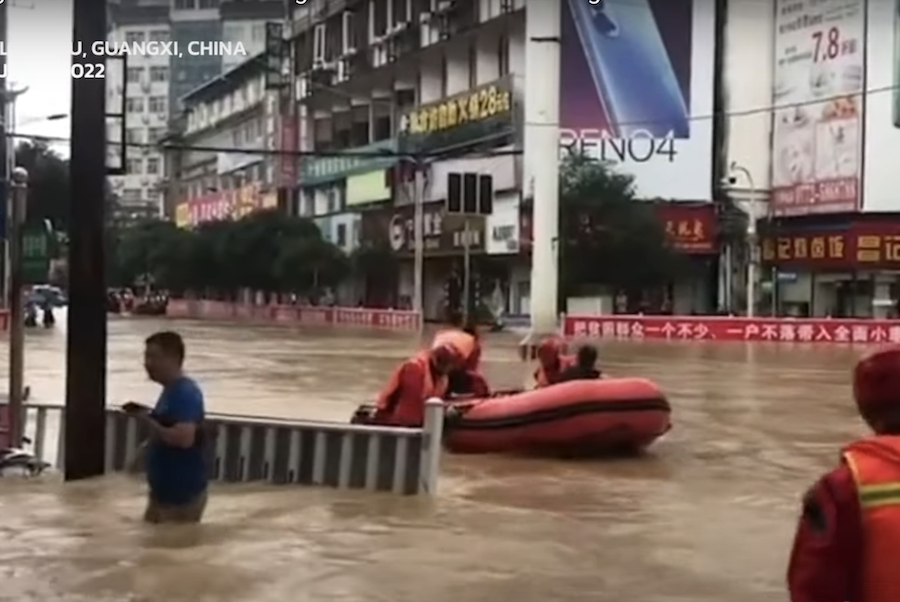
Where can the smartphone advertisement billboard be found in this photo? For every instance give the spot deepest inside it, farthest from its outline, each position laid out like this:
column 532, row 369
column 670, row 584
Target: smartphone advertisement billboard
column 817, row 129
column 881, row 192
column 637, row 91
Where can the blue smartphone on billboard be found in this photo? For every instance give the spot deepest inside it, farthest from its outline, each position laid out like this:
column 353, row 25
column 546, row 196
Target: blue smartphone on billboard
column 631, row 67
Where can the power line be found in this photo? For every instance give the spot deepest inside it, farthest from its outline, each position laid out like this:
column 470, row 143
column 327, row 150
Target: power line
column 390, row 154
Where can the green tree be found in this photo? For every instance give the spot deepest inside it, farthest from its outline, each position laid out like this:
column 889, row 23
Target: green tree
column 48, row 182
column 265, row 251
column 609, row 238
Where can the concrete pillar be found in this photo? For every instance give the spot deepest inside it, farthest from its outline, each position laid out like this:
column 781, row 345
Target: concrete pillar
column 541, row 136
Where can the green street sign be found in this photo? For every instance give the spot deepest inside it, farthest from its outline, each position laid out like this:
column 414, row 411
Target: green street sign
column 37, row 250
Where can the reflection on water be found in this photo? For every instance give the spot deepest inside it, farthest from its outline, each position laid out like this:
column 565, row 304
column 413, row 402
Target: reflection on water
column 708, row 515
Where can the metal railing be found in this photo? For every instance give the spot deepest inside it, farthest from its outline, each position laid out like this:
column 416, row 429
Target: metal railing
column 276, row 450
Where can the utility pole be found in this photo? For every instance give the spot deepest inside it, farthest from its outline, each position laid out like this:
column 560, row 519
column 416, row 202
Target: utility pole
column 5, row 129
column 85, row 425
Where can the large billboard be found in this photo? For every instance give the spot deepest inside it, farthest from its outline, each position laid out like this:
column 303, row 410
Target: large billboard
column 882, row 115
column 637, row 91
column 818, row 105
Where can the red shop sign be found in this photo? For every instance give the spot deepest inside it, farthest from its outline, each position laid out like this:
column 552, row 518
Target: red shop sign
column 690, row 228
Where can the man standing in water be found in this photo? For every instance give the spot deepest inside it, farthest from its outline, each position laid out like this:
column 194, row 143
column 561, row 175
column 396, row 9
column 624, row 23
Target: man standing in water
column 175, row 458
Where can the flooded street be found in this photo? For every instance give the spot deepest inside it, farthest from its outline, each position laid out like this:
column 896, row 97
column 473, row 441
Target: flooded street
column 707, row 516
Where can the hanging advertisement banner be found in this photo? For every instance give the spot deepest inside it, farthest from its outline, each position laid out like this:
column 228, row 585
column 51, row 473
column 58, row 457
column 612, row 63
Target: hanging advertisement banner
column 637, row 79
column 818, row 99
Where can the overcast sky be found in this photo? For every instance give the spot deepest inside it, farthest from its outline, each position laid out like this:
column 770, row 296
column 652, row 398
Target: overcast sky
column 40, row 42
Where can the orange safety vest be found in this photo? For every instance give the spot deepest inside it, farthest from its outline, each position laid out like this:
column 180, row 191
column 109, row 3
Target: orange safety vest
column 462, row 341
column 878, row 486
column 387, row 399
column 540, row 375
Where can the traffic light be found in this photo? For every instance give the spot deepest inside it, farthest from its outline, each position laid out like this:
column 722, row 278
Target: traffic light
column 454, row 193
column 470, row 193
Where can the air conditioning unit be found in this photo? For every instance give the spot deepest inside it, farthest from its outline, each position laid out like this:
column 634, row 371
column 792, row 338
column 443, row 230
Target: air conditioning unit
column 161, row 116
column 145, row 119
column 145, row 87
column 342, row 73
column 145, row 182
column 442, row 6
column 302, row 87
column 512, row 245
column 398, row 28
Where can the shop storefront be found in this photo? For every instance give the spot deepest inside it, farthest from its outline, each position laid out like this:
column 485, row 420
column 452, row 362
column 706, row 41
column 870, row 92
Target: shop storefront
column 692, row 231
column 443, row 241
column 849, row 271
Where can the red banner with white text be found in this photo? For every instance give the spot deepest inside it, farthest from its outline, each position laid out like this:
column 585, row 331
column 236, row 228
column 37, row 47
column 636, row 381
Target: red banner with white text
column 304, row 315
column 714, row 328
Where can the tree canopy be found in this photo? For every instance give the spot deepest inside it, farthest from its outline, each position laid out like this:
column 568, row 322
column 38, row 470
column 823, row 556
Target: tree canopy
column 607, row 237
column 264, row 251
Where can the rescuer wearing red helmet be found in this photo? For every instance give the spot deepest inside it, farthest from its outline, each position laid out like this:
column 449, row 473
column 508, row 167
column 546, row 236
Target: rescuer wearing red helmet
column 847, row 544
column 552, row 362
column 423, row 376
column 466, row 380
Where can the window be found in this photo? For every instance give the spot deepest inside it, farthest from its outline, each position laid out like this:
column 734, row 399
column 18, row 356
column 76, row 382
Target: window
column 332, row 200
column 131, row 195
column 135, row 166
column 159, row 74
column 135, row 74
column 159, row 35
column 184, row 4
column 232, row 33
column 473, row 66
column 158, row 104
column 134, row 37
column 134, row 105
column 258, row 33
column 443, row 76
column 503, row 56
column 153, row 166
column 341, row 235
column 134, row 136
column 209, row 3
column 156, row 134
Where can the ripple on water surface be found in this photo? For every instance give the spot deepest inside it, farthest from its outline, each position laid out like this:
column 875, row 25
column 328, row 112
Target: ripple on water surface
column 707, row 516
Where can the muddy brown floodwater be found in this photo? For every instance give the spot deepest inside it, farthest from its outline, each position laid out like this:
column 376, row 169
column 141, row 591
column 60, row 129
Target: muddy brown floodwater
column 707, row 516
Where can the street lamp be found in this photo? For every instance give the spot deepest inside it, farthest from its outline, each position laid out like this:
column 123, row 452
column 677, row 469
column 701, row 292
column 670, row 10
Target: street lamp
column 33, row 120
column 16, row 309
column 735, row 168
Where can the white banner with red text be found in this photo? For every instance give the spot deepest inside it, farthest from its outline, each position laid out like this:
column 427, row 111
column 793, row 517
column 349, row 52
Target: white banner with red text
column 304, row 315
column 715, row 328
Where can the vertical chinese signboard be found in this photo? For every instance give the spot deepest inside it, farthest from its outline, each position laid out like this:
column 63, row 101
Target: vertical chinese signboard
column 818, row 116
column 37, row 250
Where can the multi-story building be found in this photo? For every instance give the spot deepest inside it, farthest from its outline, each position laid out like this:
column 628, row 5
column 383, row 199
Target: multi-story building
column 152, row 85
column 227, row 112
column 446, row 81
column 365, row 74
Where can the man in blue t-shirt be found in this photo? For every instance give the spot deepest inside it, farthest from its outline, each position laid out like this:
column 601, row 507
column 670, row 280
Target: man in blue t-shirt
column 174, row 457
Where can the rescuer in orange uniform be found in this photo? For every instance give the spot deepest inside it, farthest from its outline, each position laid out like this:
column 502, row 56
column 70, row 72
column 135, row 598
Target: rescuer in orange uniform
column 466, row 380
column 847, row 546
column 415, row 381
column 552, row 362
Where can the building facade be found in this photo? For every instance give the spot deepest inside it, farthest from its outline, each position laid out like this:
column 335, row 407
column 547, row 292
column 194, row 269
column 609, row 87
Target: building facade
column 227, row 112
column 818, row 168
column 445, row 82
column 153, row 84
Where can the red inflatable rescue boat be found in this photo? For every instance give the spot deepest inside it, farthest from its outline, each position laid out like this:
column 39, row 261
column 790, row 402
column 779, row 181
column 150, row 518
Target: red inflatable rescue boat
column 576, row 417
